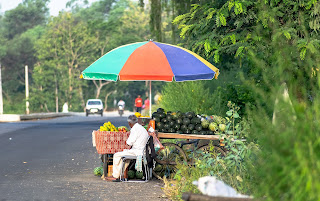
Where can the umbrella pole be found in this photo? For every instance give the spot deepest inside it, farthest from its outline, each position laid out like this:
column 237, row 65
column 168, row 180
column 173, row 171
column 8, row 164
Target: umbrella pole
column 150, row 99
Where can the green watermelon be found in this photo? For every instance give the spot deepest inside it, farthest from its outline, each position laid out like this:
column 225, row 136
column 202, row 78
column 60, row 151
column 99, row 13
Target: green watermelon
column 205, row 123
column 162, row 115
column 171, row 123
column 179, row 121
column 163, row 130
column 159, row 125
column 155, row 114
column 171, row 130
column 169, row 117
column 186, row 121
column 198, row 127
column 166, row 126
column 176, row 126
column 213, row 126
column 210, row 132
column 98, row 171
column 131, row 174
column 164, row 120
column 157, row 119
column 184, row 127
column 139, row 175
column 191, row 127
column 222, row 127
column 195, row 120
column 203, row 132
column 190, row 115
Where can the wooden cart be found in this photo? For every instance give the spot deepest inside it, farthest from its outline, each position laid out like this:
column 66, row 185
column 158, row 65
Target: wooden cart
column 174, row 152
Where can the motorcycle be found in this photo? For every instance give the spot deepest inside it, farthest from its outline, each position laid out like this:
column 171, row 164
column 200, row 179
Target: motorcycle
column 120, row 110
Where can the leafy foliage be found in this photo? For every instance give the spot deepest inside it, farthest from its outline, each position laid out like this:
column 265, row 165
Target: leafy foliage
column 63, row 51
column 186, row 96
column 232, row 169
column 26, row 15
column 288, row 137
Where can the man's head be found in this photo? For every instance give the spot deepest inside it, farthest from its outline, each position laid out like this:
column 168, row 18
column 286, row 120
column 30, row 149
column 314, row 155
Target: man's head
column 139, row 96
column 132, row 120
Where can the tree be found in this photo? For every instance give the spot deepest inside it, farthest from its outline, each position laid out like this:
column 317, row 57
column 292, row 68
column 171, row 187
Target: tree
column 123, row 23
column 227, row 32
column 26, row 15
column 64, row 51
column 220, row 27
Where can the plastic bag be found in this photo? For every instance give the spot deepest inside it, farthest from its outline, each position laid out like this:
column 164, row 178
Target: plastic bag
column 156, row 142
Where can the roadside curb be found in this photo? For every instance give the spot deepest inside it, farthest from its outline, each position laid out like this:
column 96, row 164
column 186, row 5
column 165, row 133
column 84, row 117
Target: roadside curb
column 5, row 118
column 17, row 117
column 43, row 116
column 9, row 117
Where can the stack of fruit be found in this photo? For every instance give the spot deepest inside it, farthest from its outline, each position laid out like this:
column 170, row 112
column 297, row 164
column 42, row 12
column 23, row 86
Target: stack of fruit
column 187, row 123
column 139, row 115
column 108, row 126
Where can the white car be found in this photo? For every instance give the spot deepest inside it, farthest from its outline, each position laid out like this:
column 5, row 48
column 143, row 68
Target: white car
column 94, row 106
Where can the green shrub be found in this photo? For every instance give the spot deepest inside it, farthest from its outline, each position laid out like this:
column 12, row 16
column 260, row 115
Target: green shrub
column 288, row 165
column 232, row 169
column 187, row 96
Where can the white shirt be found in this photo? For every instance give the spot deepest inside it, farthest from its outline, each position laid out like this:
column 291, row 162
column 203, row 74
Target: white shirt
column 138, row 138
column 121, row 103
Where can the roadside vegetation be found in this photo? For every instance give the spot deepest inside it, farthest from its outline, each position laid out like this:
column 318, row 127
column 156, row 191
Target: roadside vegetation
column 260, row 47
column 275, row 43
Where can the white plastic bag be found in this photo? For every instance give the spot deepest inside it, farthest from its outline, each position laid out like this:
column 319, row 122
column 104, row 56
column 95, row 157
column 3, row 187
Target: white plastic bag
column 213, row 187
column 93, row 139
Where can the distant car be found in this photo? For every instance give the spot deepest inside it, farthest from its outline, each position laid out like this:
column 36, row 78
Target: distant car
column 94, row 106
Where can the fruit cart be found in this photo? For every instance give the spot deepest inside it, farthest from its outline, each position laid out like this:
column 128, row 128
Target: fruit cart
column 172, row 153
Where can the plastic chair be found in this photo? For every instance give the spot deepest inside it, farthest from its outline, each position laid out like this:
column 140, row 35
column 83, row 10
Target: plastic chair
column 147, row 169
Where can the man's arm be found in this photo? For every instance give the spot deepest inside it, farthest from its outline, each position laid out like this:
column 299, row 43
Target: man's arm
column 132, row 137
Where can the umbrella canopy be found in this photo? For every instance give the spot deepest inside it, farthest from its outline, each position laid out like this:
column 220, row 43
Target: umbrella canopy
column 150, row 61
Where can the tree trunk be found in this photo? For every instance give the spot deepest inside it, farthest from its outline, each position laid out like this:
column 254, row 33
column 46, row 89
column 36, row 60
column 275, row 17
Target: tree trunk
column 106, row 101
column 70, row 85
column 99, row 87
column 56, row 92
column 81, row 96
column 41, row 106
column 45, row 105
column 98, row 91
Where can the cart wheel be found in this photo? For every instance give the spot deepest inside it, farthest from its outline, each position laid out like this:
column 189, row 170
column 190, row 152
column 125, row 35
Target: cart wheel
column 166, row 160
column 214, row 151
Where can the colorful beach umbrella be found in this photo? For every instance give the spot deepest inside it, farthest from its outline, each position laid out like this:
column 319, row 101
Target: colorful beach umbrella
column 152, row 61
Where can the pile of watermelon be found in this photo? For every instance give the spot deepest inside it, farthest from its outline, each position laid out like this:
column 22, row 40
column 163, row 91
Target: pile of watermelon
column 186, row 123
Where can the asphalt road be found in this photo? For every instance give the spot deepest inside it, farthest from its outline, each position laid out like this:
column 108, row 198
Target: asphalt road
column 54, row 160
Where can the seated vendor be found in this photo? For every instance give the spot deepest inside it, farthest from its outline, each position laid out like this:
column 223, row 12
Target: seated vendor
column 137, row 140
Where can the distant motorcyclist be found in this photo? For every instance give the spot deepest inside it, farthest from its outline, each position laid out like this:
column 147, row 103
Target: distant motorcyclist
column 121, row 105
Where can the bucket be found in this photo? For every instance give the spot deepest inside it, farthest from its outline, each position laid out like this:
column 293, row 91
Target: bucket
column 152, row 124
column 110, row 170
